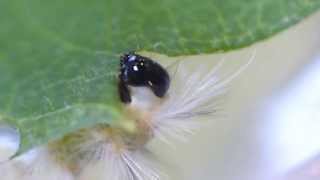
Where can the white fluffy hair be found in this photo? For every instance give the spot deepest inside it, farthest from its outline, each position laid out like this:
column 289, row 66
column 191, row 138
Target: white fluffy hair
column 127, row 165
column 192, row 94
column 38, row 164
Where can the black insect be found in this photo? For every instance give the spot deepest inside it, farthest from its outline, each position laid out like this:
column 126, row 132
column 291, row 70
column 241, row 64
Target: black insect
column 136, row 70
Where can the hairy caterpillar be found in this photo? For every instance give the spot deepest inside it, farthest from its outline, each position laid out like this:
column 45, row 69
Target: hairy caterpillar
column 160, row 103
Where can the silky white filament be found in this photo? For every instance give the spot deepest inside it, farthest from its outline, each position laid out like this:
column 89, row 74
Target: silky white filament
column 37, row 164
column 187, row 102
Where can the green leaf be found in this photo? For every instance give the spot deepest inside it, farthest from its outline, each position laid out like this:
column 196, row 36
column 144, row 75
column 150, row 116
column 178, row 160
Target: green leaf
column 59, row 59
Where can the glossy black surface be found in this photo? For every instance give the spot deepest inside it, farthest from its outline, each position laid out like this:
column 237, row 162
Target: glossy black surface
column 136, row 70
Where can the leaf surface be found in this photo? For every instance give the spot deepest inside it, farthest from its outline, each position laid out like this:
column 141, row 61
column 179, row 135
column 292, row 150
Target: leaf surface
column 59, row 59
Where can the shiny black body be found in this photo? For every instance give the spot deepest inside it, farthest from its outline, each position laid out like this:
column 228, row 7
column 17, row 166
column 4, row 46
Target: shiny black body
column 136, row 70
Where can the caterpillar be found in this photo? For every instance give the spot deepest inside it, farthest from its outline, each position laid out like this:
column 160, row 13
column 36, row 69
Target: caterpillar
column 162, row 103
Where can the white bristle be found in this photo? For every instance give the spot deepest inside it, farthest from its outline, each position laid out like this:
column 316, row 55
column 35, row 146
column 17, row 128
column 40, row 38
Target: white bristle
column 37, row 164
column 199, row 95
column 120, row 165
